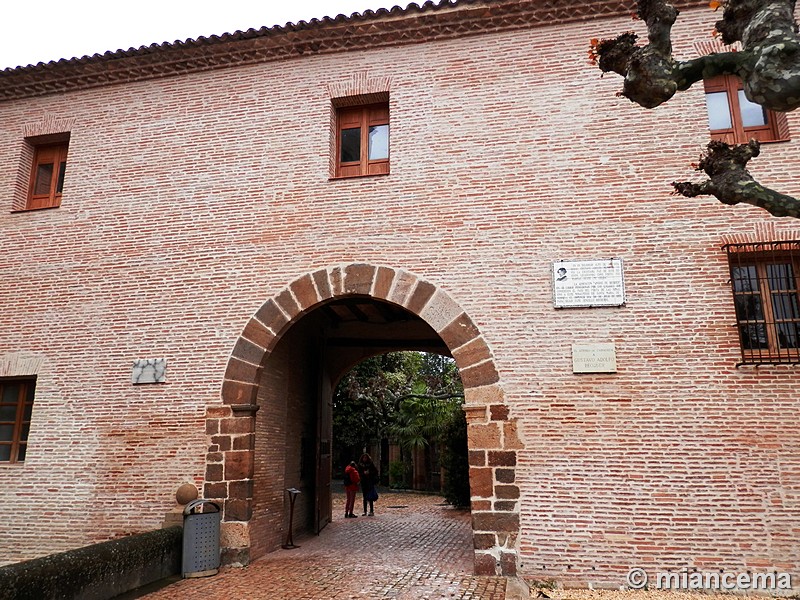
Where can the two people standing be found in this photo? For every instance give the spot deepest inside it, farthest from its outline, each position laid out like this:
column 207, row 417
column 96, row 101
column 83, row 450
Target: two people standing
column 364, row 473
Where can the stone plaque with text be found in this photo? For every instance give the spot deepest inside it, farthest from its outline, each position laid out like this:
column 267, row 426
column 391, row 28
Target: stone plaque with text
column 594, row 358
column 588, row 283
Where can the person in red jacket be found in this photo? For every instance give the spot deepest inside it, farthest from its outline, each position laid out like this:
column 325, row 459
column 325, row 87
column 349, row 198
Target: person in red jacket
column 351, row 470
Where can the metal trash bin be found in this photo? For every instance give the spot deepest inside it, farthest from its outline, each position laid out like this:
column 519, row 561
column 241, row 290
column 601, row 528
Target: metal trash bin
column 201, row 554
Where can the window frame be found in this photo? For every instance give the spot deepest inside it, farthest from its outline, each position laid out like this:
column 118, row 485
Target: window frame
column 775, row 129
column 761, row 256
column 25, row 397
column 46, row 153
column 362, row 116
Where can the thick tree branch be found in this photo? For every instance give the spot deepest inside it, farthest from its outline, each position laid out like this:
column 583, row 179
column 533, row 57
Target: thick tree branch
column 769, row 63
column 769, row 66
column 731, row 183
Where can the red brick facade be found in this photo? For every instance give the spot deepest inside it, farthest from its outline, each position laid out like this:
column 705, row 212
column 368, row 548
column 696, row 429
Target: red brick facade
column 199, row 222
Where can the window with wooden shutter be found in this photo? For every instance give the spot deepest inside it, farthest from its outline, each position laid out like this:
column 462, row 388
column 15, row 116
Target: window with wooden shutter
column 47, row 177
column 765, row 279
column 732, row 118
column 362, row 140
column 16, row 406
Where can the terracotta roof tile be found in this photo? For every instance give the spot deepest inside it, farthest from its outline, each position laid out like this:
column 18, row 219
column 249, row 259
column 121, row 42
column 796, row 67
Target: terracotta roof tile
column 413, row 24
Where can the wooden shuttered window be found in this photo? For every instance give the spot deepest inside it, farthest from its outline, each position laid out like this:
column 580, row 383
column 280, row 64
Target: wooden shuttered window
column 16, row 406
column 47, row 176
column 362, row 140
column 765, row 279
column 733, row 119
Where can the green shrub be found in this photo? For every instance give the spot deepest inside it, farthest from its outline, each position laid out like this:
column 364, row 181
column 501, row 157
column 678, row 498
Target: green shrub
column 397, row 475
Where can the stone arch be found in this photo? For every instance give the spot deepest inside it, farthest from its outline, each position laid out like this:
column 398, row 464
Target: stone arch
column 492, row 434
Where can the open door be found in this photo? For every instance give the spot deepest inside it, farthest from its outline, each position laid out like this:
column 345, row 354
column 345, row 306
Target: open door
column 323, row 508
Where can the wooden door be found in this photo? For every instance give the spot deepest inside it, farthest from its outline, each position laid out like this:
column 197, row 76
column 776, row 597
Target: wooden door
column 323, row 502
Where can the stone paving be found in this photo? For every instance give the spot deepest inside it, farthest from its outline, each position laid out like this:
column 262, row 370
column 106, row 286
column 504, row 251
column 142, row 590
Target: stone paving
column 415, row 546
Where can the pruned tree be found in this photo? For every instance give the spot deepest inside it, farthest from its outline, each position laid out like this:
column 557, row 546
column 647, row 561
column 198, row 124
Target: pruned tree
column 768, row 65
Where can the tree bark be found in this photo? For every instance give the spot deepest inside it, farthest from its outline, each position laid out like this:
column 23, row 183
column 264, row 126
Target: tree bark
column 731, row 183
column 769, row 66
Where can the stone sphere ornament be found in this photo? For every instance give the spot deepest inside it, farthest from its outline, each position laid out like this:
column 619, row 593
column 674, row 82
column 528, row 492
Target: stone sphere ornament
column 186, row 493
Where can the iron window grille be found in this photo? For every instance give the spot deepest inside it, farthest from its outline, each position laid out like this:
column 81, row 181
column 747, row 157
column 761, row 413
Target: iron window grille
column 765, row 279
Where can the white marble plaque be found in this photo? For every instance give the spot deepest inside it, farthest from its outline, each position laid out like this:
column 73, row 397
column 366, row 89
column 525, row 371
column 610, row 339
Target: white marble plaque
column 149, row 370
column 587, row 283
column 594, row 358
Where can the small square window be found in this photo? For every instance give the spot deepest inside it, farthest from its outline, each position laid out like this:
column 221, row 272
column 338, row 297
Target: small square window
column 362, row 140
column 47, row 176
column 732, row 118
column 765, row 279
column 16, row 406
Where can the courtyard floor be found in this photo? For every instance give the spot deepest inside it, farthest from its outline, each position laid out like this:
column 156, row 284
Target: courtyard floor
column 415, row 547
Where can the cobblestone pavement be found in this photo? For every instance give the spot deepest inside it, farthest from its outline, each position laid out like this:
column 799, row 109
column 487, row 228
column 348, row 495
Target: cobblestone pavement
column 415, row 546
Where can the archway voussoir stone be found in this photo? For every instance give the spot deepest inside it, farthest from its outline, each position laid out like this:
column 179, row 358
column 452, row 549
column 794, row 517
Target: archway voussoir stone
column 404, row 283
column 419, row 298
column 305, row 292
column 358, row 278
column 271, row 316
column 440, row 311
column 258, row 334
column 383, row 282
column 323, row 284
column 472, row 353
column 288, row 304
column 336, row 277
column 459, row 332
column 239, row 370
column 480, row 375
column 248, row 351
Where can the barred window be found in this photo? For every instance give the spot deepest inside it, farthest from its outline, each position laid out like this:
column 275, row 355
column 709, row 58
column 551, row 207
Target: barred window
column 765, row 278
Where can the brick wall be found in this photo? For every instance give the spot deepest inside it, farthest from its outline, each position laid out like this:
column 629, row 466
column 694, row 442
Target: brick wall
column 192, row 200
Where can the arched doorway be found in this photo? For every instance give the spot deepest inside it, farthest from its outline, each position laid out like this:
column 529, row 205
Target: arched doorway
column 284, row 363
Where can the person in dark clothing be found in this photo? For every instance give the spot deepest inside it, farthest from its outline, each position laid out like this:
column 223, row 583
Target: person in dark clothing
column 369, row 479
